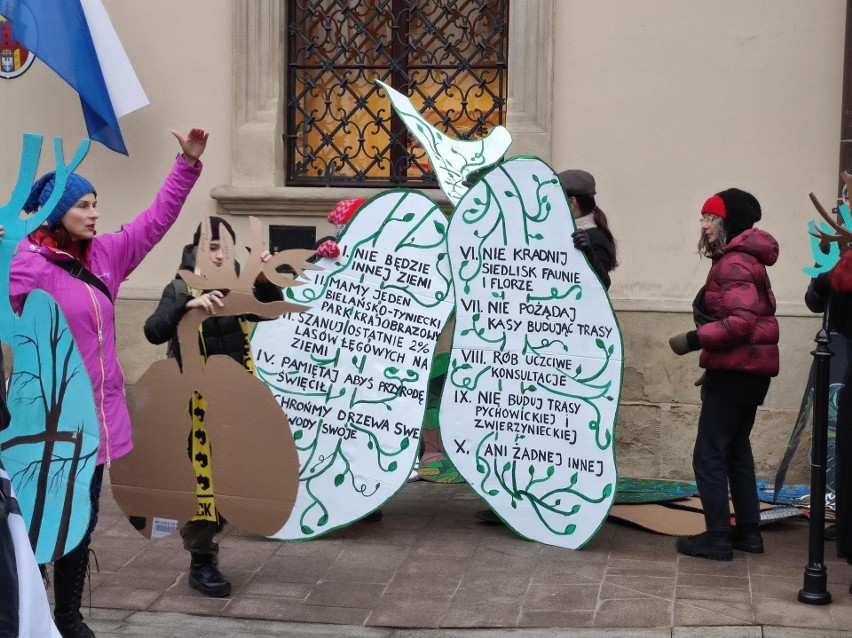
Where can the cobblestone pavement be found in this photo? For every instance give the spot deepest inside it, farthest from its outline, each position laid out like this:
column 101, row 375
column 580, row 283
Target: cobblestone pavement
column 429, row 564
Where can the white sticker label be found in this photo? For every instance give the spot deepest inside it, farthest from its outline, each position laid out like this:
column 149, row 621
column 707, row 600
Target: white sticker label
column 162, row 527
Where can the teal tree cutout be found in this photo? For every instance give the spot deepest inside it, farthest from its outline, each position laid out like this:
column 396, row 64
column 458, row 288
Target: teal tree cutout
column 831, row 237
column 50, row 447
column 352, row 372
column 529, row 408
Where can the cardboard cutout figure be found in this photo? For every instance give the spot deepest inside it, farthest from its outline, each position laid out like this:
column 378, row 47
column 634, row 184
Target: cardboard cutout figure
column 529, row 407
column 452, row 160
column 352, row 373
column 50, row 447
column 254, row 463
column 829, row 239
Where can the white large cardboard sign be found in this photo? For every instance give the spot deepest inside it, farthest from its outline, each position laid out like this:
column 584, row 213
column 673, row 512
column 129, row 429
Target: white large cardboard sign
column 529, row 406
column 452, row 159
column 352, row 372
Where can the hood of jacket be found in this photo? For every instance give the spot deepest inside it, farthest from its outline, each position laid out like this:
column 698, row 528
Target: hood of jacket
column 758, row 243
column 41, row 243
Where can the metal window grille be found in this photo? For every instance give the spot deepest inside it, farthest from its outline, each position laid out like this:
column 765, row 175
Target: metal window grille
column 448, row 56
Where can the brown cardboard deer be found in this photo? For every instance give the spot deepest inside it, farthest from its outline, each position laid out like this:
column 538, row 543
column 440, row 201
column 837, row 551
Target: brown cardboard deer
column 254, row 462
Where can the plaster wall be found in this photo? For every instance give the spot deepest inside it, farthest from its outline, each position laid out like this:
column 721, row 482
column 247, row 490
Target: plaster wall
column 181, row 52
column 669, row 101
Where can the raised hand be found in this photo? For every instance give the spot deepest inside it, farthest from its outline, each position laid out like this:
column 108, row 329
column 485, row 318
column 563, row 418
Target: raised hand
column 193, row 144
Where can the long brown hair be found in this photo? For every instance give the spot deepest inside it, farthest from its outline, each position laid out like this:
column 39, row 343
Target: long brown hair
column 60, row 239
column 717, row 248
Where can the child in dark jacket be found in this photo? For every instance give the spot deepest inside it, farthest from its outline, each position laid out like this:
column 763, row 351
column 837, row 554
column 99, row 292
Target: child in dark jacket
column 737, row 334
column 220, row 335
column 832, row 291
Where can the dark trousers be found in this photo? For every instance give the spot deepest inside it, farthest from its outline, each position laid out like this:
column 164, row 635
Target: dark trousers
column 198, row 537
column 95, row 496
column 723, row 456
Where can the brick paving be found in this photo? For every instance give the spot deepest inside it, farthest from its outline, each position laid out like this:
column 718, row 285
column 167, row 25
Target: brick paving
column 430, row 564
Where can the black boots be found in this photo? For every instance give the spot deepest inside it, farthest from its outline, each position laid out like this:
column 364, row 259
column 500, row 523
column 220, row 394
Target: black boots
column 712, row 545
column 720, row 545
column 69, row 578
column 204, row 575
column 747, row 538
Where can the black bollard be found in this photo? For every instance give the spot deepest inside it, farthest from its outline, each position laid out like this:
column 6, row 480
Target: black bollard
column 813, row 591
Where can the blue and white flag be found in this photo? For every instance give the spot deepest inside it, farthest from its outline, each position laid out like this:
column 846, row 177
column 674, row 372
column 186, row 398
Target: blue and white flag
column 76, row 39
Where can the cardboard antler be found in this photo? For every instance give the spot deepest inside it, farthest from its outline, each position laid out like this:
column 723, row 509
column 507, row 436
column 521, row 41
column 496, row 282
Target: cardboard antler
column 240, row 299
column 843, row 237
column 296, row 259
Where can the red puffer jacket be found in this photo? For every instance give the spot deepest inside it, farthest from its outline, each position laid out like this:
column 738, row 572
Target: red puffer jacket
column 744, row 333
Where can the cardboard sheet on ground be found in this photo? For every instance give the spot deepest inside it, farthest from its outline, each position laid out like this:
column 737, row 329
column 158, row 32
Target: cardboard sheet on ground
column 352, row 372
column 682, row 517
column 660, row 518
column 51, row 445
column 254, row 463
column 530, row 403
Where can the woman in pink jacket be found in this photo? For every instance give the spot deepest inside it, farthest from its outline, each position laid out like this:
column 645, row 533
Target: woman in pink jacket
column 83, row 271
column 737, row 333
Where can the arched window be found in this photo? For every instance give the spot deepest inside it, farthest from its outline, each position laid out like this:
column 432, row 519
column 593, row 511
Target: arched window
column 449, row 56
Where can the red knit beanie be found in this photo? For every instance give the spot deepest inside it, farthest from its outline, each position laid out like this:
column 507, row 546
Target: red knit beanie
column 714, row 206
column 739, row 209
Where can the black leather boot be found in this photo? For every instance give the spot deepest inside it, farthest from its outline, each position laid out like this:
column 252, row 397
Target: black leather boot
column 204, row 576
column 712, row 545
column 747, row 538
column 69, row 579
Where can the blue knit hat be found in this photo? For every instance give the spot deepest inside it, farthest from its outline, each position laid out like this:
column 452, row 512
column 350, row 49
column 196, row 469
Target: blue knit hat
column 76, row 186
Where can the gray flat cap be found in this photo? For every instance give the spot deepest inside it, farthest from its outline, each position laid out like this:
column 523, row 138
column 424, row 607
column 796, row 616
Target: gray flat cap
column 577, row 182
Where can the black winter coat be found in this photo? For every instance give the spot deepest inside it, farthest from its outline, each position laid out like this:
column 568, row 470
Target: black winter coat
column 819, row 296
column 222, row 335
column 601, row 258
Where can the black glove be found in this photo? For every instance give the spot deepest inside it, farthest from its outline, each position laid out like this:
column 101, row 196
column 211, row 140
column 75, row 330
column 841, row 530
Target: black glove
column 821, row 284
column 581, row 240
column 685, row 342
